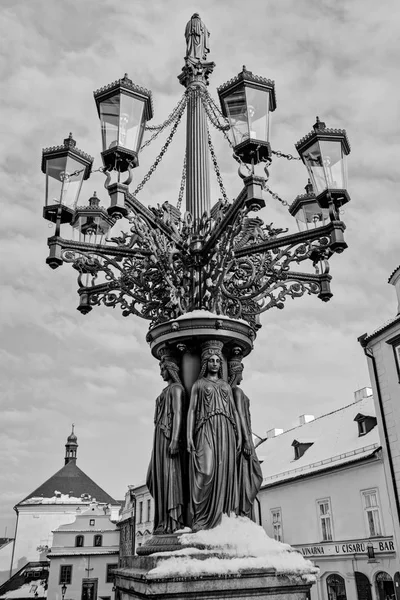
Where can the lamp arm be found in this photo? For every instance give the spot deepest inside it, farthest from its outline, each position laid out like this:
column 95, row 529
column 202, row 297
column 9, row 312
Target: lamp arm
column 292, row 239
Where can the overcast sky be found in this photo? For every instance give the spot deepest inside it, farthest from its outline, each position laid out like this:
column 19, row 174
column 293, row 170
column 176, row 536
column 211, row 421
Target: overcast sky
column 334, row 58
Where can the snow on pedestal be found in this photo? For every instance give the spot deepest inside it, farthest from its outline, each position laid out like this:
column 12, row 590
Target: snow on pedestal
column 236, row 545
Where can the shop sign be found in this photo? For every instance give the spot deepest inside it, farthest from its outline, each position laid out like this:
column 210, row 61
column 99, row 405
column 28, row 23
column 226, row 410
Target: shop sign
column 343, row 548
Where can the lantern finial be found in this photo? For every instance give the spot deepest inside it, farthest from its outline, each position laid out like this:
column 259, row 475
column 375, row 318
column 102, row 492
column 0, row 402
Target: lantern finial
column 309, row 187
column 319, row 125
column 94, row 200
column 69, row 142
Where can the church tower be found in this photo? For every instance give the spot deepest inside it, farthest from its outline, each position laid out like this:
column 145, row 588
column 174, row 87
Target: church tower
column 71, row 447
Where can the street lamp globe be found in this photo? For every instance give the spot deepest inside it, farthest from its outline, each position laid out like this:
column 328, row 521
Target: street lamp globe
column 123, row 109
column 246, row 101
column 324, row 152
column 65, row 167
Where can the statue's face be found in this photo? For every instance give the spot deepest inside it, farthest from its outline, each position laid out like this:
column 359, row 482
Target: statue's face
column 213, row 364
column 164, row 372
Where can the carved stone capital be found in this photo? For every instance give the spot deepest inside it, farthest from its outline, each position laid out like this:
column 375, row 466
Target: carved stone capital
column 195, row 72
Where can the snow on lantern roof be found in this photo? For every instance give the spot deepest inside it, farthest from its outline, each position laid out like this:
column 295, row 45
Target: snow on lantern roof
column 335, row 439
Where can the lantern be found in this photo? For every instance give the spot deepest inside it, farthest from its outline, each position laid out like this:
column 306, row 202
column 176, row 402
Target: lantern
column 91, row 223
column 65, row 167
column 307, row 211
column 247, row 100
column 123, row 109
column 324, row 151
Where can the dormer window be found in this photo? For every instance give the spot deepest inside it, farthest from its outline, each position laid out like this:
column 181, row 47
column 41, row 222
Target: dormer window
column 300, row 448
column 365, row 423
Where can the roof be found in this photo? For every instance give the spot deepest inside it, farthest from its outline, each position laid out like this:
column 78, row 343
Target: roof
column 366, row 338
column 28, row 582
column 335, row 442
column 72, row 483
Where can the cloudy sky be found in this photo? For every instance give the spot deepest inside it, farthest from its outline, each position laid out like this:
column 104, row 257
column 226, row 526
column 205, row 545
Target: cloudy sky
column 332, row 58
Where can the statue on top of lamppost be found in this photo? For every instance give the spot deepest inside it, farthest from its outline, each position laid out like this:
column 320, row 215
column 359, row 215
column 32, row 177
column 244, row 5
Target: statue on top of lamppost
column 196, row 34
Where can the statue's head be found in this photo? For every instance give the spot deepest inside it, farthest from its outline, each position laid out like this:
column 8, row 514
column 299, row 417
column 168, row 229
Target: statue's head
column 211, row 357
column 169, row 366
column 235, row 372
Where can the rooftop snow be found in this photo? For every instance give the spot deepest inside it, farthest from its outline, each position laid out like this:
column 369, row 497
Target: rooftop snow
column 334, row 438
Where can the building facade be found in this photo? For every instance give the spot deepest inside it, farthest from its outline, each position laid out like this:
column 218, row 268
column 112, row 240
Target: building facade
column 324, row 492
column 57, row 501
column 382, row 349
column 84, row 556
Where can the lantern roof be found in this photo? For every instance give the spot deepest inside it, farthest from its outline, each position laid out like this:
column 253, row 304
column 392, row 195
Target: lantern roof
column 68, row 148
column 246, row 77
column 93, row 208
column 322, row 132
column 127, row 85
column 302, row 199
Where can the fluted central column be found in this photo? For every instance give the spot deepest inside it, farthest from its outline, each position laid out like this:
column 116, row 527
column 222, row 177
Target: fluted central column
column 197, row 158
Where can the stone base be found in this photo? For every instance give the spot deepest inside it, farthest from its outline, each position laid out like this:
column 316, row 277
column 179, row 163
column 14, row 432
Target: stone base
column 160, row 543
column 138, row 582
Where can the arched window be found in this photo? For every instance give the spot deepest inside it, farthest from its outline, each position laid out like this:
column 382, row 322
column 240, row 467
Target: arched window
column 336, row 587
column 384, row 586
column 363, row 586
column 98, row 540
column 79, row 540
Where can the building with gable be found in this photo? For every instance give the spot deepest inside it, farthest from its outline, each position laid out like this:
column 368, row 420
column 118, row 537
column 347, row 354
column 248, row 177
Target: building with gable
column 83, row 556
column 324, row 492
column 56, row 502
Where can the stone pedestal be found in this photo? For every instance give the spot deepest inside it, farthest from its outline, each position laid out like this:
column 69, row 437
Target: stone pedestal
column 140, row 582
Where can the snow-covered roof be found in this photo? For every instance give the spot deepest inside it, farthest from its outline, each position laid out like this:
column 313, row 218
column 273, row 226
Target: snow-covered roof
column 70, row 485
column 335, row 441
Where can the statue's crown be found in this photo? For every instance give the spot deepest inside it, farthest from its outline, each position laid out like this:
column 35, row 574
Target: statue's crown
column 211, row 347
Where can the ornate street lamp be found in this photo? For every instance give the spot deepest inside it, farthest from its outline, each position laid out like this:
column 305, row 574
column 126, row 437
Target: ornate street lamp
column 66, row 167
column 247, row 100
column 324, row 153
column 201, row 276
column 63, row 590
column 123, row 109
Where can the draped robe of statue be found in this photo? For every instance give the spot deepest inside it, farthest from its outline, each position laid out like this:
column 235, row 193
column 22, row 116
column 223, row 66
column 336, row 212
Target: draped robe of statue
column 213, row 469
column 164, row 476
column 196, row 34
column 249, row 469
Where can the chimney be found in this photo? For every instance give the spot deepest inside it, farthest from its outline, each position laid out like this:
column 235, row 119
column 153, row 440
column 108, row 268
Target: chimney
column 303, row 419
column 271, row 433
column 394, row 279
column 365, row 392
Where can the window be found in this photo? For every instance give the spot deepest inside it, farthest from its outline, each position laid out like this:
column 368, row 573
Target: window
column 110, row 572
column 276, row 517
column 372, row 512
column 365, row 423
column 79, row 541
column 336, row 587
column 140, row 512
column 395, row 343
column 325, row 518
column 300, row 448
column 148, row 509
column 65, row 574
column 98, row 540
column 92, row 522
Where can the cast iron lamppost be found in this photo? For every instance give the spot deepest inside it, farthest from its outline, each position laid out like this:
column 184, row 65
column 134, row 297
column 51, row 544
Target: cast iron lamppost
column 204, row 275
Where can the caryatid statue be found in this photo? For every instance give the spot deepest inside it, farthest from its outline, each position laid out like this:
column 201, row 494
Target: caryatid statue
column 214, row 440
column 249, row 469
column 196, row 34
column 164, row 476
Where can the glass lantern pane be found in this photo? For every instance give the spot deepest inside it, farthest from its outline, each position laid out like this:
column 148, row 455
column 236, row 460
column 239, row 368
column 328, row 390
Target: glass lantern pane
column 257, row 112
column 131, row 123
column 109, row 116
column 236, row 109
column 64, row 176
column 334, row 164
column 314, row 216
column 313, row 161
